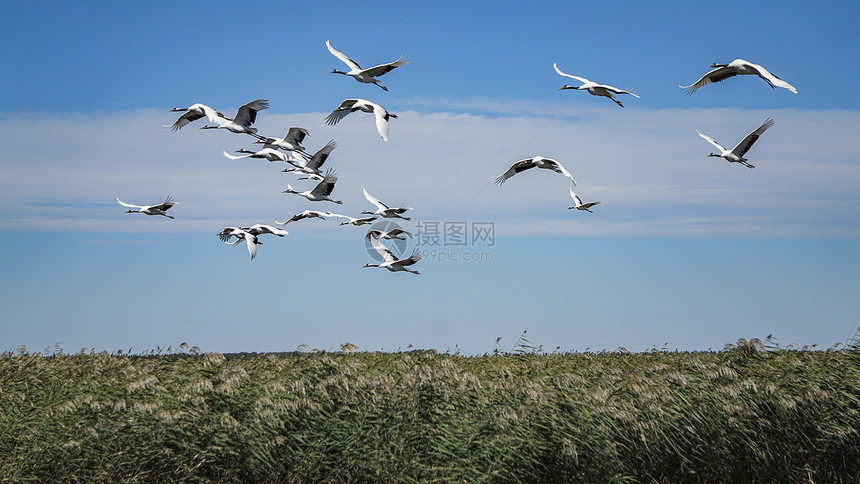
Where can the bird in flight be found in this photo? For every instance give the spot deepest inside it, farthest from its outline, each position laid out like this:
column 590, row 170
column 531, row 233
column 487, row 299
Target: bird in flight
column 368, row 76
column 354, row 220
column 304, row 215
column 594, row 88
column 160, row 209
column 383, row 210
column 577, row 203
column 736, row 154
column 529, row 163
column 737, row 67
column 245, row 117
column 191, row 113
column 311, row 166
column 250, row 235
column 321, row 192
column 266, row 153
column 351, row 105
column 390, row 261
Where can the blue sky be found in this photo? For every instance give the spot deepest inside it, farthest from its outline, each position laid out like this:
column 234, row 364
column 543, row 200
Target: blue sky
column 685, row 251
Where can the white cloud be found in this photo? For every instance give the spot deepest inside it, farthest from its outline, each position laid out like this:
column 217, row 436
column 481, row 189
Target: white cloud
column 648, row 167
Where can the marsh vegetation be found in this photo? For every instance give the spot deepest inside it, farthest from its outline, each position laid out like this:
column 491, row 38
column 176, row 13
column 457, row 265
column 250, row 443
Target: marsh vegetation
column 746, row 413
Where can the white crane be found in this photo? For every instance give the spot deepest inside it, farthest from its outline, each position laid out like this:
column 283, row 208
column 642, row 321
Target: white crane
column 529, row 163
column 290, row 142
column 383, row 210
column 265, row 153
column 321, row 192
column 306, row 214
column 256, row 229
column 240, row 234
column 250, row 239
column 354, row 220
column 311, row 166
column 594, row 88
column 577, row 203
column 351, row 105
column 250, row 235
column 367, row 76
column 737, row 67
column 390, row 261
column 260, row 229
column 736, row 154
column 395, row 233
column 159, row 209
column 245, row 117
column 228, row 232
column 192, row 113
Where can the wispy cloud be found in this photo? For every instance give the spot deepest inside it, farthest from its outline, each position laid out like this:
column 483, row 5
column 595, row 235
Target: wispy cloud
column 648, row 168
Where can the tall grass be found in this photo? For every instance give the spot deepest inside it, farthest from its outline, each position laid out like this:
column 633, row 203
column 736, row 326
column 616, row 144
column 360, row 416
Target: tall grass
column 748, row 413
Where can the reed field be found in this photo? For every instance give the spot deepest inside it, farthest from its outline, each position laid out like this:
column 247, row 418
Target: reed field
column 749, row 413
